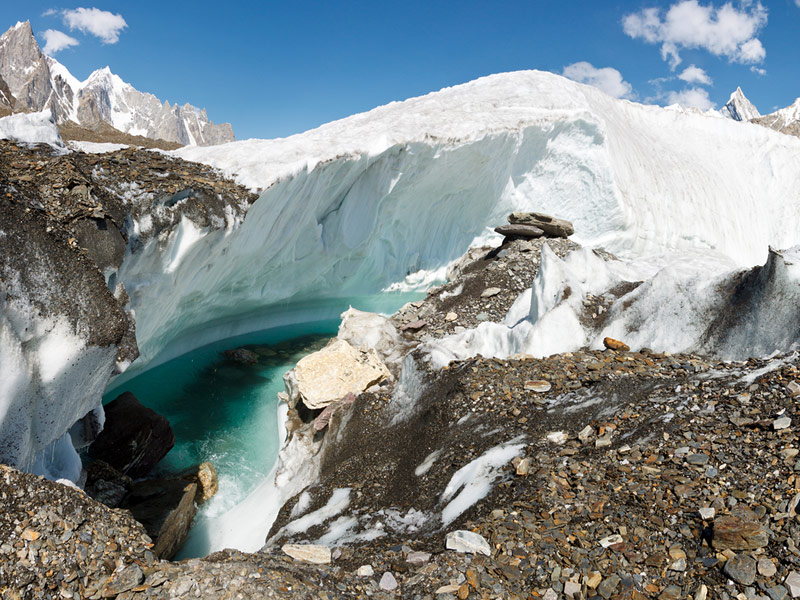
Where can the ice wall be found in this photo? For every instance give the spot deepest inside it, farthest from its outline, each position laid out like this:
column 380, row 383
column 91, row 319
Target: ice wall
column 358, row 204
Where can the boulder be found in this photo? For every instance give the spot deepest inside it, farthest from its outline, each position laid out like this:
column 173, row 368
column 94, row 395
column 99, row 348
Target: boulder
column 134, row 437
column 551, row 226
column 519, row 230
column 166, row 508
column 330, row 374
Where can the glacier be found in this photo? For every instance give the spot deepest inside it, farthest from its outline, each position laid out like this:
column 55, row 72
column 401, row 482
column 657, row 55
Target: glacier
column 390, row 197
column 358, row 204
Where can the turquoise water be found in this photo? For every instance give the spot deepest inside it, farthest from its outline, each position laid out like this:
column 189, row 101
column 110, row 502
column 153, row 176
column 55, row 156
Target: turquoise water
column 225, row 412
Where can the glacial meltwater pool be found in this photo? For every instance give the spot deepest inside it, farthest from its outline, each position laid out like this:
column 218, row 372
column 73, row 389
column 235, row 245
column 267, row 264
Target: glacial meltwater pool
column 227, row 413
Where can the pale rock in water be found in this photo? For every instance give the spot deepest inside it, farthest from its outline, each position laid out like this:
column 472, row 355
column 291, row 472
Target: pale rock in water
column 330, row 374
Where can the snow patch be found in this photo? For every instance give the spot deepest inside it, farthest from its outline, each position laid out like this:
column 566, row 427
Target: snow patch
column 475, row 479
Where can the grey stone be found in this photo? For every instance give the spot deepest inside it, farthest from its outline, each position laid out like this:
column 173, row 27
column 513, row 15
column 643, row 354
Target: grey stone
column 122, row 581
column 782, row 423
column 608, row 586
column 519, row 230
column 571, row 588
column 697, row 459
column 777, row 592
column 792, row 583
column 766, row 567
column 741, row 568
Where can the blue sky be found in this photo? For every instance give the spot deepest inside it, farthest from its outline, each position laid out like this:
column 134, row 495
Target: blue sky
column 277, row 68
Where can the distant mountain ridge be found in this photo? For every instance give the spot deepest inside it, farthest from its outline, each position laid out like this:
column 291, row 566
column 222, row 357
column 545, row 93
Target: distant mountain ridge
column 786, row 120
column 38, row 82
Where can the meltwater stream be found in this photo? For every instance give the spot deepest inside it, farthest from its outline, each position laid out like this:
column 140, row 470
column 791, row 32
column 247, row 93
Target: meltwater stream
column 227, row 413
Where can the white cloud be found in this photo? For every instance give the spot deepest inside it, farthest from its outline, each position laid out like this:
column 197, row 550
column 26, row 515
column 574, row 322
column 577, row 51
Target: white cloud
column 606, row 79
column 797, row 2
column 100, row 23
column 55, row 41
column 759, row 71
column 724, row 31
column 691, row 98
column 50, row 12
column 693, row 74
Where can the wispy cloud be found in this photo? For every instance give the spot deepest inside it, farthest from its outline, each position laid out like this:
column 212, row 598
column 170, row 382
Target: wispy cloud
column 725, row 31
column 693, row 74
column 99, row 23
column 50, row 12
column 56, row 41
column 607, row 79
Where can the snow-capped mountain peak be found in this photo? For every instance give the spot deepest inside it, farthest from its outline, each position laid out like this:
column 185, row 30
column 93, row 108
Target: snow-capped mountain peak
column 38, row 82
column 739, row 108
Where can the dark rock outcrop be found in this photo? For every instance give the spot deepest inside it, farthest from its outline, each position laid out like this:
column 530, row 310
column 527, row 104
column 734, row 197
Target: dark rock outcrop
column 134, row 438
column 166, row 508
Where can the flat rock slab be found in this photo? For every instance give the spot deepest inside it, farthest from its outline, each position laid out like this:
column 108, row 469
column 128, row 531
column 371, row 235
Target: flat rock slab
column 551, row 226
column 518, row 230
column 310, row 553
column 467, row 541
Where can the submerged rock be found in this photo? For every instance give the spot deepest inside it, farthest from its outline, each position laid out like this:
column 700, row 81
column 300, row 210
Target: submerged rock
column 134, row 438
column 242, row 356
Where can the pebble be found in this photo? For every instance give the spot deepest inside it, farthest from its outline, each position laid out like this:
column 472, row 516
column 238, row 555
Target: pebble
column 571, row 588
column 792, row 583
column 538, row 386
column 611, row 540
column 557, row 437
column 365, row 571
column 707, row 513
column 782, row 423
column 388, row 582
column 450, row 317
column 766, row 567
